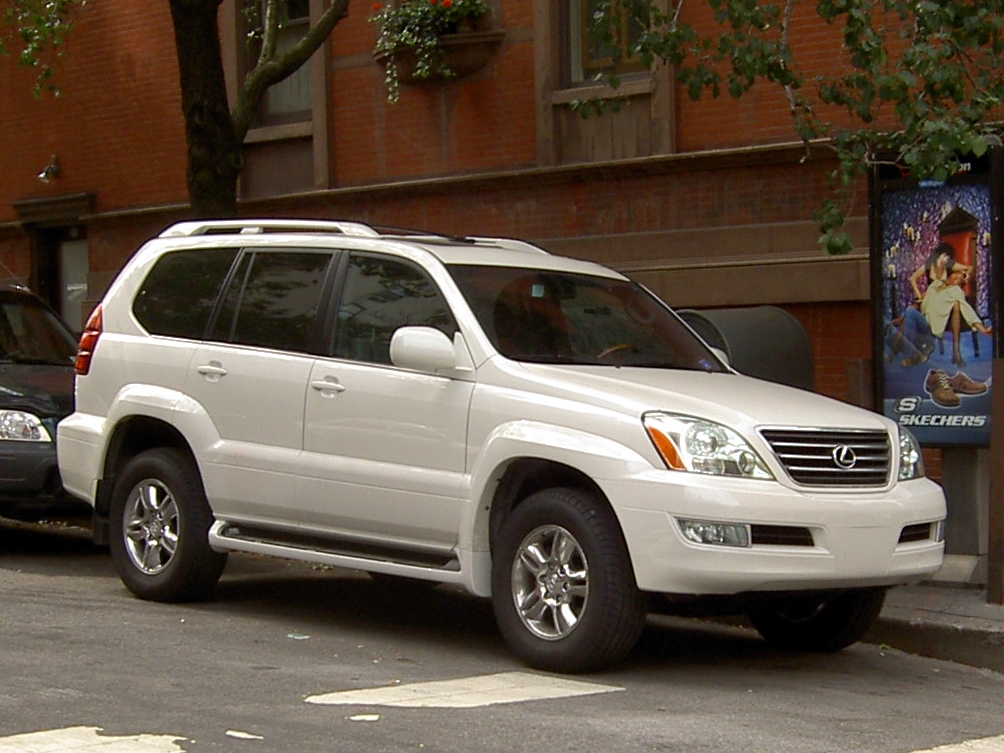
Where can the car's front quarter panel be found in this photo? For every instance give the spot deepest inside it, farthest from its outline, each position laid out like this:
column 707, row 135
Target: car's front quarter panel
column 855, row 530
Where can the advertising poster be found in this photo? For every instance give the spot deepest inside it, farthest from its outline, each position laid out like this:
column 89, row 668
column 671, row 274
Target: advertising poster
column 934, row 258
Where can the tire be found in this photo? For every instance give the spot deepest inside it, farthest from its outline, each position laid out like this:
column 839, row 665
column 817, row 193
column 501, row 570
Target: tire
column 563, row 588
column 820, row 624
column 159, row 529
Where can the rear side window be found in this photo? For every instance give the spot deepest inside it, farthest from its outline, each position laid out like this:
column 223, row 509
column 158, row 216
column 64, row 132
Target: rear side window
column 273, row 299
column 178, row 296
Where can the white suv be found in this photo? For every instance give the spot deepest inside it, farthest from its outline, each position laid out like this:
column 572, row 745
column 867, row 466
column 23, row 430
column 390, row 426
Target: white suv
column 476, row 411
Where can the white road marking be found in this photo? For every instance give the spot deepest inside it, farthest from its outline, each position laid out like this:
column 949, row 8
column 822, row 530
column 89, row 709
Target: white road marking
column 74, row 739
column 466, row 692
column 239, row 735
column 982, row 745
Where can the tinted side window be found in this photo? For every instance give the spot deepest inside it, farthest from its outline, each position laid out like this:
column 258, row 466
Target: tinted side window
column 379, row 296
column 273, row 299
column 31, row 333
column 178, row 296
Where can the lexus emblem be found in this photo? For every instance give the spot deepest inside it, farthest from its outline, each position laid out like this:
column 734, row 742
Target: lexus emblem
column 844, row 457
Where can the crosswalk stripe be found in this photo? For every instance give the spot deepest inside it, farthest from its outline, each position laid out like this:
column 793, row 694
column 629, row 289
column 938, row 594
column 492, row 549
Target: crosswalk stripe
column 982, row 745
column 467, row 692
column 80, row 739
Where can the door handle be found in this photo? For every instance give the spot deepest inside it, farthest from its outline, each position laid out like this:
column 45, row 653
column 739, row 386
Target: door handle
column 212, row 370
column 328, row 385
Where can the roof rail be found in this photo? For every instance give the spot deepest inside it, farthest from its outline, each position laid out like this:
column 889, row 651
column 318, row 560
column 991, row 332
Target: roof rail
column 512, row 244
column 249, row 227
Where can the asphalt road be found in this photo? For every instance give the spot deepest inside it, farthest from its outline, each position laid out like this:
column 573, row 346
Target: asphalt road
column 265, row 667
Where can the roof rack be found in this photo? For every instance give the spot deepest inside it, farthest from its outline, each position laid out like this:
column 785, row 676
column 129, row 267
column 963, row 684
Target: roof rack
column 512, row 244
column 356, row 229
column 253, row 227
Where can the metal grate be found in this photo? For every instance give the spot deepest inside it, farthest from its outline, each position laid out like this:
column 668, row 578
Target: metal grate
column 916, row 532
column 781, row 535
column 819, row 457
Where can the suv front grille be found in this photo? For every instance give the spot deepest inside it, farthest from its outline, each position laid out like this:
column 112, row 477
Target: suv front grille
column 815, row 457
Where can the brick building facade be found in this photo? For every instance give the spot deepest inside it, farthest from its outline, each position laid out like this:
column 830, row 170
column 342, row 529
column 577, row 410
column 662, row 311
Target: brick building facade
column 709, row 202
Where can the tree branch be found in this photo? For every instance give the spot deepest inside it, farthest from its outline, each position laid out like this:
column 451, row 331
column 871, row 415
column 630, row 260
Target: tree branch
column 271, row 70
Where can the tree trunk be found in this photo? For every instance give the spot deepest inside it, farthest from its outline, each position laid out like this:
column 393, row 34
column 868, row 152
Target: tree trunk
column 214, row 152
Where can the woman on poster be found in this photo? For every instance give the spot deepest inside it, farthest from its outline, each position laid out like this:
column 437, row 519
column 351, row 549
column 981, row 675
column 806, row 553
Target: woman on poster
column 943, row 302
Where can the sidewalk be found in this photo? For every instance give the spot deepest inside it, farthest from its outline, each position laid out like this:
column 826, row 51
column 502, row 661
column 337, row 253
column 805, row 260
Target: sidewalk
column 944, row 622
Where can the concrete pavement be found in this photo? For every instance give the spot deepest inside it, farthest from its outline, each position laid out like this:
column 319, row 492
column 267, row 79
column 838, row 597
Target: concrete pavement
column 938, row 619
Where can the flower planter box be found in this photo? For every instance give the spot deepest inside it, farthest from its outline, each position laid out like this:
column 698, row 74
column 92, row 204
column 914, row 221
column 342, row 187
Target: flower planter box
column 463, row 53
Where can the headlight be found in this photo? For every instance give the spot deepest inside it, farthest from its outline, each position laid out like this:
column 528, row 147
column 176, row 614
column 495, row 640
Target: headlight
column 19, row 426
column 911, row 461
column 686, row 443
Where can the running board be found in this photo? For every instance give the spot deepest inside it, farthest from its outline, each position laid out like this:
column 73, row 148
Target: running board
column 443, row 567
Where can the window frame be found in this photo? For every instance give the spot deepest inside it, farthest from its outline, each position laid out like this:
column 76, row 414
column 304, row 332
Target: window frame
column 265, row 117
column 581, row 66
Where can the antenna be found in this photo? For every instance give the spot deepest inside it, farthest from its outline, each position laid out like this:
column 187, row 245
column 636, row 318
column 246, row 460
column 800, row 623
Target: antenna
column 15, row 280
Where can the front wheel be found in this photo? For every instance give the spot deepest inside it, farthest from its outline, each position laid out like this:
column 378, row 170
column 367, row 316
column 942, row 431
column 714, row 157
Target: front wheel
column 820, row 624
column 563, row 588
column 159, row 526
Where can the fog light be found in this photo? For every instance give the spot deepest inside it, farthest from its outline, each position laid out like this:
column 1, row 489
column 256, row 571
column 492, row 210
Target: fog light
column 721, row 534
column 939, row 531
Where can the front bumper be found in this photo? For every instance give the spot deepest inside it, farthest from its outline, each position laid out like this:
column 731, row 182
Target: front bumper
column 857, row 536
column 30, row 486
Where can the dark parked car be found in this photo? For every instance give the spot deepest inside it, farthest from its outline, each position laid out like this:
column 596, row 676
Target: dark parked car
column 37, row 350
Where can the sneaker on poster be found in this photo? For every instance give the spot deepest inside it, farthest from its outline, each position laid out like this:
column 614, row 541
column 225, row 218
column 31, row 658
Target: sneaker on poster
column 938, row 386
column 963, row 385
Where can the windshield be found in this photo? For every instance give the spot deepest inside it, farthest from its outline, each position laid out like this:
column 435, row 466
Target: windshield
column 31, row 334
column 544, row 316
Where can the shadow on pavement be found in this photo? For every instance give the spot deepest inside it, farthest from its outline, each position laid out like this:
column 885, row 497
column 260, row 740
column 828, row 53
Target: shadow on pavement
column 58, row 547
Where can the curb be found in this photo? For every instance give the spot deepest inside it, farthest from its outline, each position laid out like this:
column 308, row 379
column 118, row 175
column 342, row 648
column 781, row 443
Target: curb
column 972, row 645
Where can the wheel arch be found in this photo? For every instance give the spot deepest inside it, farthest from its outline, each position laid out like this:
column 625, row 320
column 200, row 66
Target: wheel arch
column 132, row 435
column 523, row 477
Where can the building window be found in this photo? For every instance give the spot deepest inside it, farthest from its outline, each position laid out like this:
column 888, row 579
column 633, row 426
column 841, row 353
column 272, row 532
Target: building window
column 289, row 100
column 590, row 57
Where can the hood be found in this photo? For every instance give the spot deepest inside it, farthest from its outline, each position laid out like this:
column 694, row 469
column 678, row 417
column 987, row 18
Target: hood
column 46, row 391
column 728, row 398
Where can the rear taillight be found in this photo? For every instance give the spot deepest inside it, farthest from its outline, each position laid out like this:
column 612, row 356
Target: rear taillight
column 88, row 341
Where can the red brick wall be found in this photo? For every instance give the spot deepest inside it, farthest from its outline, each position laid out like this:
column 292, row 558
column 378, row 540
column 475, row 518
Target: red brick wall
column 116, row 128
column 117, row 132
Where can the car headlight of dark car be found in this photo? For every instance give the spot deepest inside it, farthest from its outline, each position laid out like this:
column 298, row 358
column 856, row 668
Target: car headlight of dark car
column 21, row 426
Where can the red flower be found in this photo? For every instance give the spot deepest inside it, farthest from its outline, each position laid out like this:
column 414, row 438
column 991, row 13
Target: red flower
column 377, row 6
column 447, row 3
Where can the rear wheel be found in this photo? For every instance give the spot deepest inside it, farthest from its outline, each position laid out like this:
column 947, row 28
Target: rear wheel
column 159, row 526
column 563, row 588
column 820, row 624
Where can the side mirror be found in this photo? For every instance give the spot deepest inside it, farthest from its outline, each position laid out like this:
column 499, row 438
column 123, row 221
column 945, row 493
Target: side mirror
column 422, row 349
